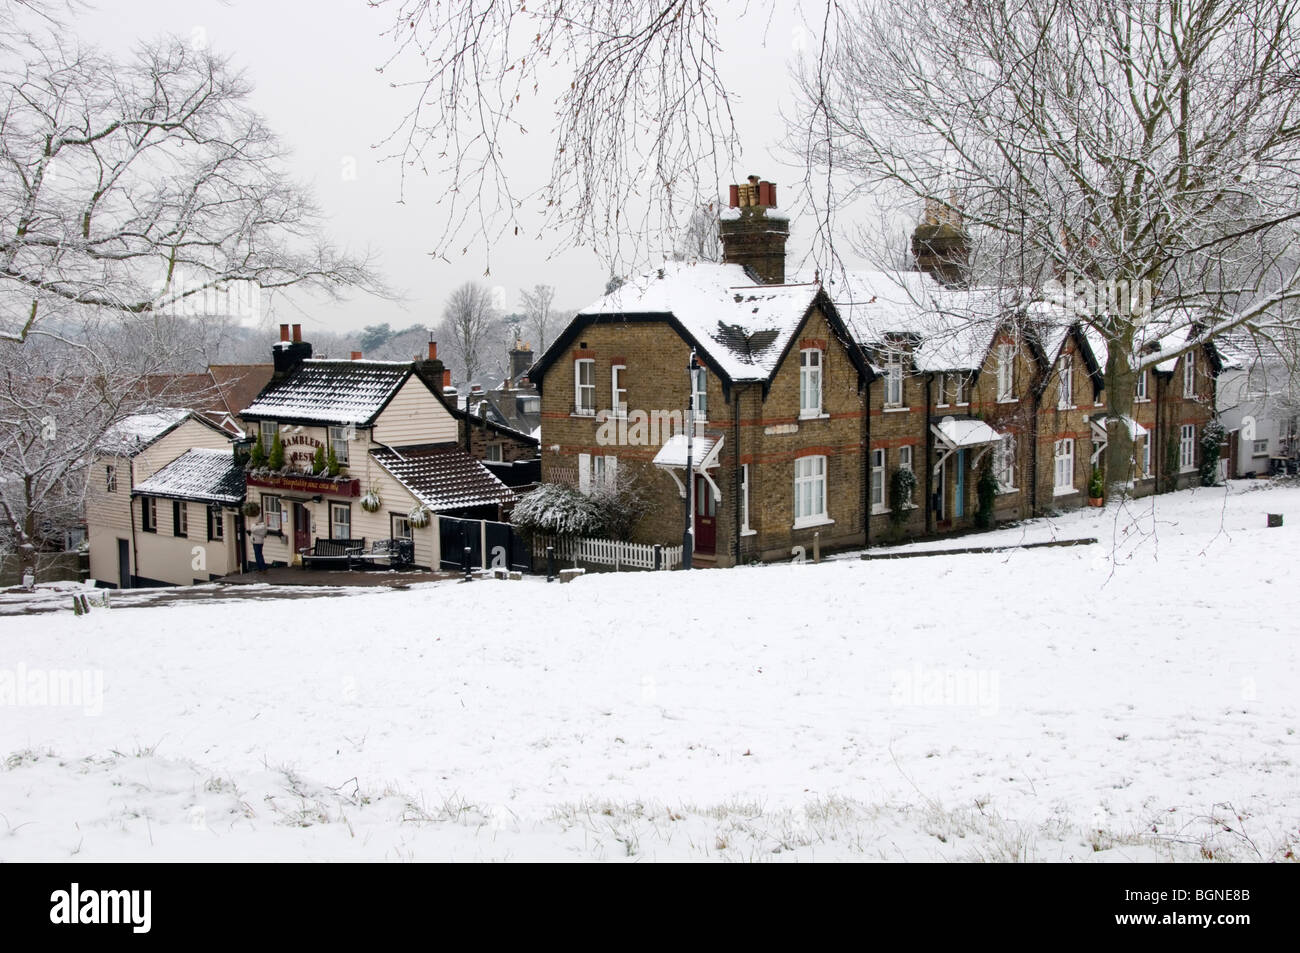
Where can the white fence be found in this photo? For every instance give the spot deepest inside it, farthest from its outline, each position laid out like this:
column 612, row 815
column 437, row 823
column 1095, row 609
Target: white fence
column 608, row 552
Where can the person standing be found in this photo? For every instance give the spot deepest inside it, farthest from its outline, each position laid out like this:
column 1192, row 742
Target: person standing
column 257, row 533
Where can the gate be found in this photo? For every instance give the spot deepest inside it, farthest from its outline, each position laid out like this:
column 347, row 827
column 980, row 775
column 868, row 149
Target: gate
column 505, row 549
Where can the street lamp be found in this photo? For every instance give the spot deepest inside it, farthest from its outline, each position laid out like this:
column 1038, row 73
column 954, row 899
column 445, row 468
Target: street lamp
column 688, row 534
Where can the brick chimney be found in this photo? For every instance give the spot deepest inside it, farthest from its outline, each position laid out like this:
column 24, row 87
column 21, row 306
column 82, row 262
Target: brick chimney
column 521, row 358
column 289, row 352
column 431, row 370
column 941, row 245
column 753, row 233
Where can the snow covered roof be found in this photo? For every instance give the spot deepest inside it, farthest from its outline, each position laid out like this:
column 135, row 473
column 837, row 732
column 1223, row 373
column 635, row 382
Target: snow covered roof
column 331, row 392
column 742, row 327
column 958, row 432
column 132, row 434
column 209, row 476
column 443, row 477
column 952, row 327
column 673, row 452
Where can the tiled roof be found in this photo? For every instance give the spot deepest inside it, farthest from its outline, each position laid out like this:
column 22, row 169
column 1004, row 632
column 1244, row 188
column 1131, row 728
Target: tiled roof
column 239, row 384
column 443, row 477
column 132, row 434
column 209, row 476
column 742, row 327
column 323, row 391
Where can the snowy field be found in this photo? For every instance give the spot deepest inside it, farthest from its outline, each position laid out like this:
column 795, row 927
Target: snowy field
column 1132, row 700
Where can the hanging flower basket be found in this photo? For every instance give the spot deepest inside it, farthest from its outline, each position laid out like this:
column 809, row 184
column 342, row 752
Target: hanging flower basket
column 252, row 508
column 372, row 501
column 419, row 517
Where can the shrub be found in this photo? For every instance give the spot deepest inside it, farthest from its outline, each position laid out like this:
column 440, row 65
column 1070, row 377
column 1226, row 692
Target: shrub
column 902, row 487
column 1097, row 484
column 372, row 502
column 252, row 508
column 1211, row 446
column 257, row 456
column 318, row 461
column 332, row 463
column 275, row 459
column 556, row 510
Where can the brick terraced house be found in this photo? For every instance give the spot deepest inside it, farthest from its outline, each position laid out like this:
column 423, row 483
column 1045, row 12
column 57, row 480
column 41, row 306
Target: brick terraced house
column 814, row 395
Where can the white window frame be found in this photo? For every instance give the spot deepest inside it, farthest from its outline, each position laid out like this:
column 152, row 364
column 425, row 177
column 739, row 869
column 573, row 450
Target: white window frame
column 271, row 506
column 905, row 463
column 1187, row 448
column 894, row 379
column 1140, row 388
column 1006, row 374
column 1065, row 382
column 396, row 521
column 811, row 362
column 268, row 429
column 584, row 392
column 618, row 393
column 1004, row 463
column 1259, row 448
column 492, row 453
column 346, row 508
column 149, row 514
column 181, row 520
column 1063, row 451
column 338, row 442
column 959, row 392
column 745, row 528
column 879, row 501
column 1189, row 374
column 110, row 478
column 216, row 523
column 810, row 491
column 1146, row 455
column 700, row 393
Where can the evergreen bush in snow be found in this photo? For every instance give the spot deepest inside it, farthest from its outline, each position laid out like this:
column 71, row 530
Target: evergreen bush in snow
column 1211, row 444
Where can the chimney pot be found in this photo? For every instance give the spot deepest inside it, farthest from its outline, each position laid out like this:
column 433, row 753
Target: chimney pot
column 446, row 378
column 297, row 332
column 356, row 355
column 284, row 332
column 754, row 238
column 433, row 350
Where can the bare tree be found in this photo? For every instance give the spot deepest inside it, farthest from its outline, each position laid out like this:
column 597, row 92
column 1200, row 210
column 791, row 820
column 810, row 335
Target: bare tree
column 641, row 114
column 538, row 314
column 470, row 323
column 145, row 185
column 699, row 240
column 1106, row 140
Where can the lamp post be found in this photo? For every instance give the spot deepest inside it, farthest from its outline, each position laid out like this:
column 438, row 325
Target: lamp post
column 688, row 534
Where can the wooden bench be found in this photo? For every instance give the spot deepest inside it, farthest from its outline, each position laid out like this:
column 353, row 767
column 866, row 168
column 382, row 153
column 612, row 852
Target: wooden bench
column 333, row 552
column 391, row 552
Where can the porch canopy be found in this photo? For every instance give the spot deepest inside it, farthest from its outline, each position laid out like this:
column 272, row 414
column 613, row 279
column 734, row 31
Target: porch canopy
column 1100, row 437
column 704, row 457
column 963, row 433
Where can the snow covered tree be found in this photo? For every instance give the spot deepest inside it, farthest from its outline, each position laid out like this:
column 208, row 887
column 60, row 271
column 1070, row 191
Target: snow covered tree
column 1120, row 143
column 470, row 325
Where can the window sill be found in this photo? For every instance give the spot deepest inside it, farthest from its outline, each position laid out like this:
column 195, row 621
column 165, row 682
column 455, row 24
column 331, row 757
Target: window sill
column 1141, row 400
column 746, row 531
column 817, row 416
column 584, row 415
column 897, row 410
column 1182, row 470
column 1008, row 400
column 880, row 510
column 1004, row 490
column 1067, row 406
column 1064, row 491
column 810, row 522
column 963, row 403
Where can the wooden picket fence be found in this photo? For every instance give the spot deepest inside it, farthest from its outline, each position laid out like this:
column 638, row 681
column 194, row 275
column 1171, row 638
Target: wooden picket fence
column 607, row 552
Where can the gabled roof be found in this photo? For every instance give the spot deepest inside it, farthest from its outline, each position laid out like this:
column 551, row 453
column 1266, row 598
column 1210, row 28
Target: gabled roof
column 330, row 392
column 952, row 328
column 133, row 434
column 443, row 477
column 740, row 329
column 208, row 476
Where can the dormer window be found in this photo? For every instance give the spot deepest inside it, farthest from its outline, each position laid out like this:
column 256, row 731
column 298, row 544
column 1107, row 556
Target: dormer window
column 700, row 393
column 1006, row 372
column 810, row 382
column 619, row 390
column 1065, row 376
column 1189, row 375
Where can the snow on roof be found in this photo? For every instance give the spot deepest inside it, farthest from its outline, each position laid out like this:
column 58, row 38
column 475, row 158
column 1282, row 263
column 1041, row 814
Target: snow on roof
column 326, row 391
column 743, row 327
column 132, row 434
column 209, row 476
column 673, row 452
column 959, row 432
column 953, row 326
column 443, row 477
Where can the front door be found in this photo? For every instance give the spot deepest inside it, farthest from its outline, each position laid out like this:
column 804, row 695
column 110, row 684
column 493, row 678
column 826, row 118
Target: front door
column 301, row 528
column 706, row 517
column 123, row 564
column 959, row 486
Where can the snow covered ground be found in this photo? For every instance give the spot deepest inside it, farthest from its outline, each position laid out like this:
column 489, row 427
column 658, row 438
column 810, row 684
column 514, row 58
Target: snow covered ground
column 1132, row 700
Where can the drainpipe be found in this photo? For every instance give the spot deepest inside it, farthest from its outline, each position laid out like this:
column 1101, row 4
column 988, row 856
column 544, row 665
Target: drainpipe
column 929, row 456
column 1033, row 455
column 865, row 467
column 1158, row 451
column 735, row 495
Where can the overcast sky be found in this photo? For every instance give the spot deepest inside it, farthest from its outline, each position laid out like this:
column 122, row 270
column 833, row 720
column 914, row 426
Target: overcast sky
column 313, row 64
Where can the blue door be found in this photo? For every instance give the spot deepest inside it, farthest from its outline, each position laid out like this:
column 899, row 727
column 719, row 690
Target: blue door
column 959, row 490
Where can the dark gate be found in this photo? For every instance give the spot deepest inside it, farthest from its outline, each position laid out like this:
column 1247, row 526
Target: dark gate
column 505, row 548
